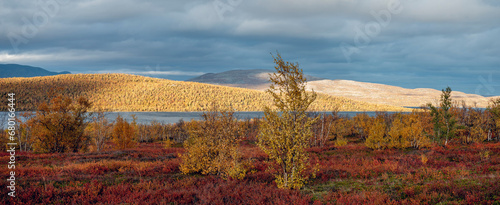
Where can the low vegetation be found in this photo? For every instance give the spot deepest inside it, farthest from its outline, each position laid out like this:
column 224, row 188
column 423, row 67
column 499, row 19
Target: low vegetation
column 403, row 170
column 350, row 174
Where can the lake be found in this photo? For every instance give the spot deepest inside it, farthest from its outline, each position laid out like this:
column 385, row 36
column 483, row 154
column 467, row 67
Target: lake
column 173, row 117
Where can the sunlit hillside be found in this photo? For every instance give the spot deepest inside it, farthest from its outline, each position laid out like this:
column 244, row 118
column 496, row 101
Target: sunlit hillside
column 123, row 92
column 355, row 90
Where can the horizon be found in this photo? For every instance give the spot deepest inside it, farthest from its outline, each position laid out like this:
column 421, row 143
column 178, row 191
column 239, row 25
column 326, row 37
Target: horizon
column 410, row 44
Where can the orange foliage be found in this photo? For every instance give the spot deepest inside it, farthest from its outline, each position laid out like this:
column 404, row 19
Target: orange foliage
column 59, row 125
column 123, row 134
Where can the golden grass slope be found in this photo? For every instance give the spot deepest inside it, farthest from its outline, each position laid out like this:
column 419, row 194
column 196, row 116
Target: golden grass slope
column 358, row 91
column 124, row 92
column 391, row 95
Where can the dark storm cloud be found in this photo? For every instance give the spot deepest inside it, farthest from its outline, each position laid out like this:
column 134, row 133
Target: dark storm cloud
column 426, row 43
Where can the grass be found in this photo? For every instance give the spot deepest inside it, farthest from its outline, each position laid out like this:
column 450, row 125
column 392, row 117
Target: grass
column 351, row 174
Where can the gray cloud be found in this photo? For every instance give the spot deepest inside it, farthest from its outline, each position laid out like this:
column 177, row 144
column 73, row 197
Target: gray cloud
column 430, row 43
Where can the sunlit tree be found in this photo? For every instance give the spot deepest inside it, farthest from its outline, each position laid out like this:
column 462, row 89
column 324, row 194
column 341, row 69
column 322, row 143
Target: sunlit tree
column 377, row 134
column 59, row 125
column 363, row 122
column 443, row 119
column 286, row 129
column 123, row 134
column 414, row 131
column 494, row 109
column 407, row 131
column 342, row 127
column 396, row 133
column 213, row 146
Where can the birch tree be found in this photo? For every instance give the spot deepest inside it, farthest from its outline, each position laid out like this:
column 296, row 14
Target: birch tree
column 286, row 129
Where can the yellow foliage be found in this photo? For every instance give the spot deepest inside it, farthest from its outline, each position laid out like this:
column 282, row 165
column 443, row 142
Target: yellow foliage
column 377, row 135
column 123, row 134
column 476, row 125
column 342, row 127
column 485, row 154
column 396, row 134
column 413, row 131
column 424, row 159
column 167, row 143
column 340, row 141
column 213, row 146
column 406, row 131
column 123, row 92
column 286, row 131
column 4, row 139
column 363, row 124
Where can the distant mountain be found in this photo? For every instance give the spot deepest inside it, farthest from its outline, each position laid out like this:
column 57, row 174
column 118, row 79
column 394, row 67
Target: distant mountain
column 253, row 79
column 15, row 70
column 360, row 91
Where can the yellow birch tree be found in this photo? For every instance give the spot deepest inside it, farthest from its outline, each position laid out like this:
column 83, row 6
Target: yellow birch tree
column 286, row 129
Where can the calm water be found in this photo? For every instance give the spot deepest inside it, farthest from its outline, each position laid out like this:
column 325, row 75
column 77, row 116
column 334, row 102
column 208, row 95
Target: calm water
column 173, row 117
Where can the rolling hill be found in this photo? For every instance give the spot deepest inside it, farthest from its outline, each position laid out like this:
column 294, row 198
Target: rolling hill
column 391, row 95
column 359, row 91
column 253, row 79
column 15, row 70
column 124, row 92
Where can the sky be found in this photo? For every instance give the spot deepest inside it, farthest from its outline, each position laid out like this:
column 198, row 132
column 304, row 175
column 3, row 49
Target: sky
column 407, row 43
